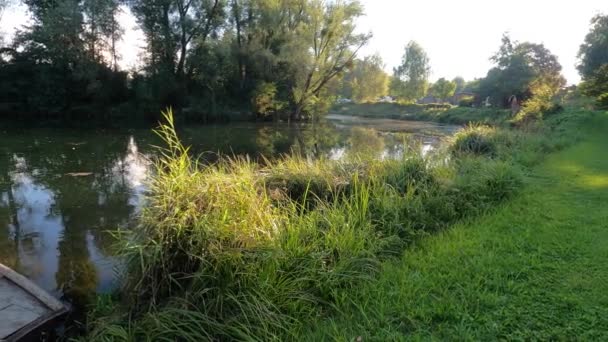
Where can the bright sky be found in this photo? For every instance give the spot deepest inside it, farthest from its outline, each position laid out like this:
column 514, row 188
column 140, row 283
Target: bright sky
column 459, row 36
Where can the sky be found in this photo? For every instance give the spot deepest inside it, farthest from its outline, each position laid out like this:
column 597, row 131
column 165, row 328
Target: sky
column 459, row 36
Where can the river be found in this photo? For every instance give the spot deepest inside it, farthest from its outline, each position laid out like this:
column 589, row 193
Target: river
column 63, row 190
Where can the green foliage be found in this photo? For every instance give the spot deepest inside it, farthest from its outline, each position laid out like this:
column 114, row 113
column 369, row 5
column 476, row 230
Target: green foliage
column 520, row 67
column 204, row 57
column 443, row 89
column 410, row 79
column 593, row 53
column 467, row 101
column 444, row 113
column 540, row 104
column 264, row 99
column 367, row 81
column 460, row 83
column 596, row 86
column 477, row 139
column 329, row 35
column 602, row 101
column 56, row 66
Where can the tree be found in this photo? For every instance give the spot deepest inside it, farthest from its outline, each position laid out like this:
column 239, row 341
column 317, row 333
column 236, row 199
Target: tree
column 367, row 80
column 329, row 33
column 597, row 86
column 201, row 56
column 174, row 28
column 263, row 31
column 460, row 84
column 593, row 61
column 593, row 53
column 102, row 30
column 443, row 89
column 520, row 69
column 410, row 79
column 53, row 70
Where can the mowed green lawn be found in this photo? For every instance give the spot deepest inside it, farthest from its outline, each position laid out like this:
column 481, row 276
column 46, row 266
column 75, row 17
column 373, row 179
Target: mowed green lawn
column 534, row 269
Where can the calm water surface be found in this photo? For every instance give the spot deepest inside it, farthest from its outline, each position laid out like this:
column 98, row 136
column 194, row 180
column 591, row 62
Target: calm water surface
column 61, row 191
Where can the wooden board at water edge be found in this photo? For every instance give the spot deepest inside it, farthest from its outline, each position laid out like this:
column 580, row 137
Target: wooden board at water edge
column 25, row 308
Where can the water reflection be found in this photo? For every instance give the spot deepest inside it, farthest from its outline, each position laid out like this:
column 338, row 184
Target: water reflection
column 62, row 191
column 58, row 200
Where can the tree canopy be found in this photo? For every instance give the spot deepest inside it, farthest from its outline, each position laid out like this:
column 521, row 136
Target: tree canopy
column 410, row 78
column 460, row 84
column 593, row 65
column 520, row 70
column 443, row 89
column 366, row 81
column 205, row 58
column 593, row 53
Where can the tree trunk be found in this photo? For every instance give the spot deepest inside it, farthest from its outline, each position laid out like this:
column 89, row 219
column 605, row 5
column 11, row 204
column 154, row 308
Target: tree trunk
column 239, row 41
column 296, row 115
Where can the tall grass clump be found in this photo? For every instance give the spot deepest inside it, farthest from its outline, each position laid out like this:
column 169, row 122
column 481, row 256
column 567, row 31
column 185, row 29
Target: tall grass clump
column 214, row 256
column 475, row 139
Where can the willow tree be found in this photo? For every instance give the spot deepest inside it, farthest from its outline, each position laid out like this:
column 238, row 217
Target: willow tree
column 330, row 38
column 366, row 81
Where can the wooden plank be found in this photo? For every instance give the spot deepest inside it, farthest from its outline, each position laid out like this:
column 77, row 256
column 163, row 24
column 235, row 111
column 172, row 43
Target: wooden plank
column 14, row 318
column 35, row 326
column 12, row 294
column 18, row 309
column 24, row 307
column 31, row 288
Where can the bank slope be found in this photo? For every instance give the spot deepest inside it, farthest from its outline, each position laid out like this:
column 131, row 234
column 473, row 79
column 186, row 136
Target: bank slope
column 537, row 268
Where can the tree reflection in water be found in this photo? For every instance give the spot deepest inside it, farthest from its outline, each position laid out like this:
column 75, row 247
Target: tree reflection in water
column 53, row 226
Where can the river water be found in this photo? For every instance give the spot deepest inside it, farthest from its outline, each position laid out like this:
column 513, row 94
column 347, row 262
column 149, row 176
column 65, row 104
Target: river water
column 62, row 191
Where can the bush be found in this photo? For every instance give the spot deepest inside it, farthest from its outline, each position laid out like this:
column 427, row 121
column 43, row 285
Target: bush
column 403, row 175
column 602, row 101
column 264, row 100
column 596, row 86
column 466, row 102
column 442, row 106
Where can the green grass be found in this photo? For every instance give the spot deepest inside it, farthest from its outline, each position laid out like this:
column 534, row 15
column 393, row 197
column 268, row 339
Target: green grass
column 244, row 251
column 534, row 269
column 438, row 113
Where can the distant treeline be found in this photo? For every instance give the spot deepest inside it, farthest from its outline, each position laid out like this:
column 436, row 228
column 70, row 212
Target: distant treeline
column 209, row 59
column 216, row 60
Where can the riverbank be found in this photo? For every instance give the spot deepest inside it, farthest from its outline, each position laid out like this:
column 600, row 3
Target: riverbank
column 238, row 250
column 534, row 269
column 432, row 112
